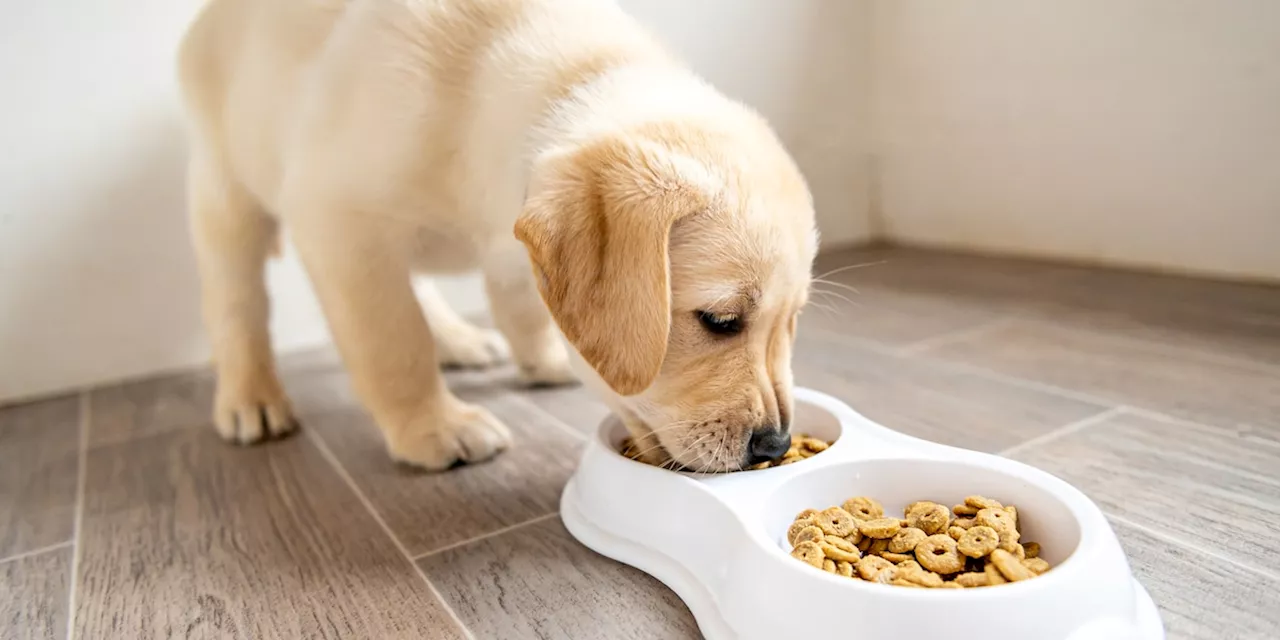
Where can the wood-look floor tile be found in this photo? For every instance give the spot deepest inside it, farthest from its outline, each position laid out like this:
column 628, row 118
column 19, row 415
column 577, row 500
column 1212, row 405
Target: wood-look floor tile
column 1200, row 597
column 39, row 445
column 143, row 408
column 185, row 536
column 574, row 406
column 433, row 510
column 1215, row 486
column 538, row 582
column 33, row 596
column 1153, row 375
column 930, row 402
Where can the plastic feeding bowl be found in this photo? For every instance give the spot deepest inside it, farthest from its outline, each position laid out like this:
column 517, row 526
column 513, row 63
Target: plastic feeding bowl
column 719, row 541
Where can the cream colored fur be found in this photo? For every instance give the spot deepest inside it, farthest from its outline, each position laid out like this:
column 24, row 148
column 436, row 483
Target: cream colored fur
column 400, row 136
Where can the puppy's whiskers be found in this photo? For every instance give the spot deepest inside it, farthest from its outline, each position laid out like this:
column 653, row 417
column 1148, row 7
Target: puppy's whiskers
column 850, row 267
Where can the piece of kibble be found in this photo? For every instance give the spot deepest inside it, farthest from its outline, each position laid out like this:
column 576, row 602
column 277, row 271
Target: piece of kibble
column 885, row 576
column 971, row 580
column 845, row 569
column 997, row 519
column 878, row 546
column 993, row 575
column 920, row 577
column 796, row 527
column 836, row 521
column 938, row 553
column 929, row 517
column 869, row 566
column 928, row 548
column 880, row 527
column 1010, row 566
column 1009, row 542
column 896, row 557
column 810, row 533
column 814, row 445
column 809, row 552
column 980, row 502
column 905, row 540
column 978, row 541
column 864, row 508
column 839, row 549
column 1036, row 565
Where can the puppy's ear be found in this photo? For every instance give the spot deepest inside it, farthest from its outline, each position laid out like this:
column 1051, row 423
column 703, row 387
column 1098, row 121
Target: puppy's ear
column 597, row 223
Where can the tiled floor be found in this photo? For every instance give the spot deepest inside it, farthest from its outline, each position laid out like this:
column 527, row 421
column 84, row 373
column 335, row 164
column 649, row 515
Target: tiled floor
column 123, row 516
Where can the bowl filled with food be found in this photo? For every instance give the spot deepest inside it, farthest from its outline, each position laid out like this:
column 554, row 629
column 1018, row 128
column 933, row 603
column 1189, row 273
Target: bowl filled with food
column 863, row 532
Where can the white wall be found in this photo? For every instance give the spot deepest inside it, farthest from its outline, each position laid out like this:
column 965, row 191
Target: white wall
column 1138, row 132
column 96, row 278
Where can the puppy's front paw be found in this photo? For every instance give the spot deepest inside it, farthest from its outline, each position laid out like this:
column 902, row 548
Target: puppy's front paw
column 467, row 434
column 463, row 345
column 253, row 414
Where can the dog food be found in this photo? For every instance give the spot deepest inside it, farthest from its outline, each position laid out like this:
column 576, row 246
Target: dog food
column 802, row 446
column 973, row 544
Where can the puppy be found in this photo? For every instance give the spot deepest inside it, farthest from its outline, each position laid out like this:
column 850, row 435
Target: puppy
column 608, row 195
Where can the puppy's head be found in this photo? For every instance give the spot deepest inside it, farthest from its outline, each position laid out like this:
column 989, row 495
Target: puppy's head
column 675, row 258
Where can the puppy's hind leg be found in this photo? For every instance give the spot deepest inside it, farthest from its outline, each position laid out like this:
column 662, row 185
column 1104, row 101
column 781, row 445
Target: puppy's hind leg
column 233, row 237
column 458, row 342
column 522, row 317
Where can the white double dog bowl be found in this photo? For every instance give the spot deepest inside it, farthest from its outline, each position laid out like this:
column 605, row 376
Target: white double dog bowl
column 719, row 541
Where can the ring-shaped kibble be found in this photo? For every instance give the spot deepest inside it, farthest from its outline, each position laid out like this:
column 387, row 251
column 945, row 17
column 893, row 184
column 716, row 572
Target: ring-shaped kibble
column 829, row 565
column 905, row 540
column 955, row 532
column 982, row 502
column 880, row 527
column 869, row 566
column 938, row 553
column 978, row 541
column 798, row 526
column 810, row 553
column 929, row 517
column 897, row 558
column 836, row 521
column 845, row 569
column 997, row 519
column 864, row 508
column 810, row 533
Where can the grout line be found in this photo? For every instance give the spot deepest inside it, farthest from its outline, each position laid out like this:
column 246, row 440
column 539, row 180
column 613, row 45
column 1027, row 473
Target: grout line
column 1065, row 430
column 346, row 477
column 959, row 335
column 82, row 457
column 35, row 552
column 484, row 536
column 555, row 421
column 1179, row 542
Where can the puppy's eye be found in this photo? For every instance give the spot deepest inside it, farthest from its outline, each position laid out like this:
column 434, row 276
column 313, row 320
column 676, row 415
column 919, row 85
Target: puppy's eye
column 720, row 324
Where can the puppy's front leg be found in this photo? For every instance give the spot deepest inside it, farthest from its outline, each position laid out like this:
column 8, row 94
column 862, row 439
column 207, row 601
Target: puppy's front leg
column 363, row 282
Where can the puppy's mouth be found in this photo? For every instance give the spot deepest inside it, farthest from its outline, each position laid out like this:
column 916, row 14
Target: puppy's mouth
column 704, row 452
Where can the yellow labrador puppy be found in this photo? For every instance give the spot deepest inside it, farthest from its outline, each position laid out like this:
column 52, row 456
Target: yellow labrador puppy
column 608, row 195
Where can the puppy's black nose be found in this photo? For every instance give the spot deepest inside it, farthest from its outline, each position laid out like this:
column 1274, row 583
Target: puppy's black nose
column 767, row 444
